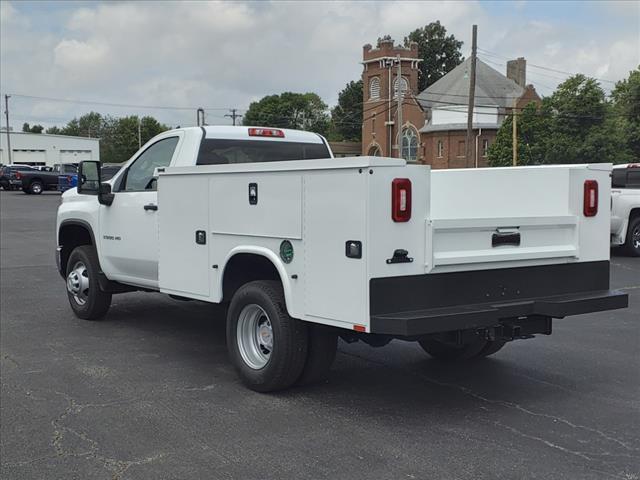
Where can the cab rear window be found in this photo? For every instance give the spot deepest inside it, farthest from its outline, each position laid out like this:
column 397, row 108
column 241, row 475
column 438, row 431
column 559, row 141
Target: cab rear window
column 625, row 178
column 222, row 151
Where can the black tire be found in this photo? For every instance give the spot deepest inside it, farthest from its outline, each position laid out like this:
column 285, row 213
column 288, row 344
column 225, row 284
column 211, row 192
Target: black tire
column 5, row 185
column 36, row 187
column 452, row 353
column 91, row 303
column 288, row 351
column 632, row 245
column 492, row 346
column 323, row 344
column 26, row 190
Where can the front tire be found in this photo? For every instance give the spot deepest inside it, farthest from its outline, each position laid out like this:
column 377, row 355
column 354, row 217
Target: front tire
column 632, row 245
column 36, row 187
column 83, row 290
column 267, row 347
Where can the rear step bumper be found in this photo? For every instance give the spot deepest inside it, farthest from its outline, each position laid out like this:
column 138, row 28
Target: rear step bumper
column 443, row 302
column 465, row 317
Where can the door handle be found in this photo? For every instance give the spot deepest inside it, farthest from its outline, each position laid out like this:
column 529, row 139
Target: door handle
column 151, row 206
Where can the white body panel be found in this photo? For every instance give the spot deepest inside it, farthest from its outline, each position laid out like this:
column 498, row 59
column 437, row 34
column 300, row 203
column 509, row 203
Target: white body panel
column 319, row 205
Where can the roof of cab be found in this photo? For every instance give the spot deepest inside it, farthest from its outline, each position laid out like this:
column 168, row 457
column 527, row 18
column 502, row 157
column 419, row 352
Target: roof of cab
column 242, row 133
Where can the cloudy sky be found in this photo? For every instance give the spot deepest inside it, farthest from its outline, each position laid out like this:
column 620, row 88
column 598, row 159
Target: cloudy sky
column 224, row 55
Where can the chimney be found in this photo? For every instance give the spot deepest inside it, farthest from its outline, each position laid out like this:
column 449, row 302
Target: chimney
column 517, row 71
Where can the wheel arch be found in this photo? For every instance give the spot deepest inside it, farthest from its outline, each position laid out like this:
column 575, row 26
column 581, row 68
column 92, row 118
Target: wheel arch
column 72, row 234
column 246, row 264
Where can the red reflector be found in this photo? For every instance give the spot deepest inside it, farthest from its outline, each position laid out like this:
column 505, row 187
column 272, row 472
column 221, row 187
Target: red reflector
column 401, row 199
column 590, row 198
column 360, row 328
column 266, row 132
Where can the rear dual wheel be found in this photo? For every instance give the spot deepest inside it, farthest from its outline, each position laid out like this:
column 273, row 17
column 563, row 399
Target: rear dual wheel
column 269, row 349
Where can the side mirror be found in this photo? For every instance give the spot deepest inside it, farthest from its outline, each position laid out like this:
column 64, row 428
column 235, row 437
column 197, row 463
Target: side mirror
column 105, row 197
column 89, row 178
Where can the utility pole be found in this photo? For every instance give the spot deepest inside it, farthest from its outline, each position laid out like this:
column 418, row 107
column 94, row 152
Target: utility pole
column 400, row 92
column 515, row 132
column 6, row 112
column 233, row 115
column 139, row 133
column 472, row 93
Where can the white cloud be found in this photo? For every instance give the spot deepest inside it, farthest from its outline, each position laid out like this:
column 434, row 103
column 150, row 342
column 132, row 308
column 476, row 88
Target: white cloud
column 218, row 54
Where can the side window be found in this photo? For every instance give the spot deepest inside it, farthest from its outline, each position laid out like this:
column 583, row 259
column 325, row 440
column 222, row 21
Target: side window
column 140, row 174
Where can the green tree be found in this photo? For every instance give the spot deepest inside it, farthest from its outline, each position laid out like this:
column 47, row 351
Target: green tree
column 119, row 139
column 534, row 126
column 54, row 130
column 625, row 113
column 29, row 129
column 574, row 125
column 440, row 53
column 303, row 111
column 346, row 116
column 118, row 136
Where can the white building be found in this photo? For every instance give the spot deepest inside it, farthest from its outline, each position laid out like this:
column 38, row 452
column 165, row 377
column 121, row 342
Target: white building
column 45, row 149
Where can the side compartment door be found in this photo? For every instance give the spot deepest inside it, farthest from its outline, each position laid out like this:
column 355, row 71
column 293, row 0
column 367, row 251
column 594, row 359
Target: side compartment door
column 129, row 226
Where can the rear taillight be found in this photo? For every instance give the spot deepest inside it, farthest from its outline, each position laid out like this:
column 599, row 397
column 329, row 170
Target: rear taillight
column 18, row 175
column 590, row 198
column 266, row 132
column 69, row 179
column 401, row 199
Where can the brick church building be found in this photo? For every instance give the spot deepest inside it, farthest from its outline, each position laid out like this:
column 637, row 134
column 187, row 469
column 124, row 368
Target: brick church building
column 435, row 120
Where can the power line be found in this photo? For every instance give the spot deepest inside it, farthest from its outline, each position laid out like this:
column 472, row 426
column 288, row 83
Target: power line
column 109, row 104
column 486, row 52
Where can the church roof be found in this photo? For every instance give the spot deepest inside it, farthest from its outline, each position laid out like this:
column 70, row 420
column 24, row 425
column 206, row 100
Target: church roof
column 492, row 88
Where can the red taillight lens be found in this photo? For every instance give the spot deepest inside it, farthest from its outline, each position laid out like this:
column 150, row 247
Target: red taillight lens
column 266, row 132
column 590, row 198
column 401, row 199
column 18, row 175
column 69, row 179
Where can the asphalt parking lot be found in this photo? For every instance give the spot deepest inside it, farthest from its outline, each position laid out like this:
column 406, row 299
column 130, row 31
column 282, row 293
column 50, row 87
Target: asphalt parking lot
column 148, row 393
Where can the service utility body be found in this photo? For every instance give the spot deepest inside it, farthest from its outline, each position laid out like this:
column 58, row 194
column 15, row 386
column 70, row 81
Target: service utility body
column 303, row 248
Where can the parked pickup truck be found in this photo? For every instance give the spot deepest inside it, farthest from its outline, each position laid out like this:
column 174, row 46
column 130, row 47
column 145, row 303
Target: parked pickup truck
column 625, row 208
column 37, row 181
column 303, row 248
column 70, row 180
column 8, row 180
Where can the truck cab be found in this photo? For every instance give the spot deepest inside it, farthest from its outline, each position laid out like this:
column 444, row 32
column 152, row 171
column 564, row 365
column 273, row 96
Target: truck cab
column 127, row 230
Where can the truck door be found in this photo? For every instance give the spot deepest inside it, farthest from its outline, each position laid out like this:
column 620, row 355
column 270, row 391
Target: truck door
column 129, row 226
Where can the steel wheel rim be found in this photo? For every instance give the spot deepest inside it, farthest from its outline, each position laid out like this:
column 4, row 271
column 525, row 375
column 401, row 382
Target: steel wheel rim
column 635, row 237
column 36, row 188
column 254, row 335
column 78, row 283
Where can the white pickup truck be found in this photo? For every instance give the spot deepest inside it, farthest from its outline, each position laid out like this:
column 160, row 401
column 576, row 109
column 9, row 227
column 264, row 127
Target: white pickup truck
column 625, row 208
column 304, row 248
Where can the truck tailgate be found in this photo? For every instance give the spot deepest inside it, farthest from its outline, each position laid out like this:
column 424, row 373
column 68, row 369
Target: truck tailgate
column 507, row 217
